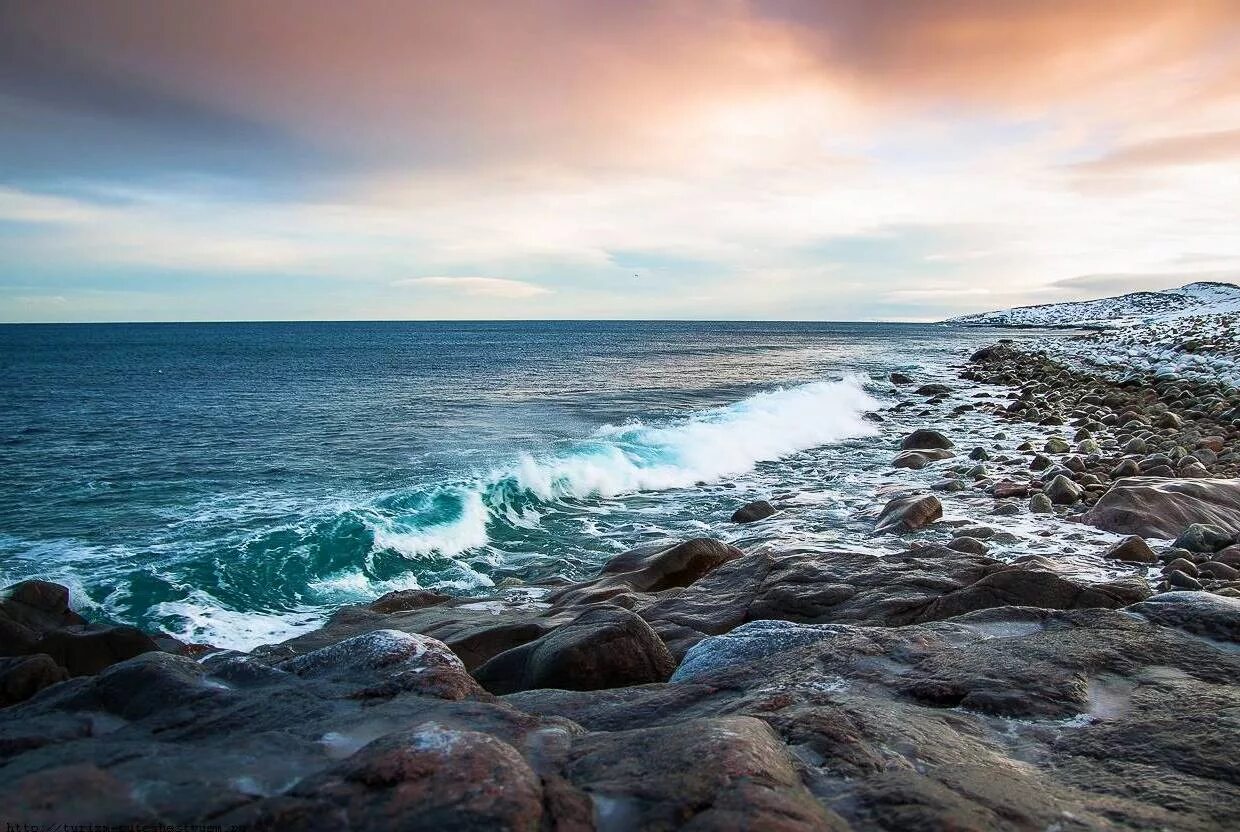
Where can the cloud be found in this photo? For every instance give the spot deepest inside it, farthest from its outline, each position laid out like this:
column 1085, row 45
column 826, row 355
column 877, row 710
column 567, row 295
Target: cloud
column 850, row 158
column 1167, row 151
column 486, row 287
column 1098, row 285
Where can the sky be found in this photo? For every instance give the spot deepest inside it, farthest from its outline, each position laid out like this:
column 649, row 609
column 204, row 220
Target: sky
column 658, row 159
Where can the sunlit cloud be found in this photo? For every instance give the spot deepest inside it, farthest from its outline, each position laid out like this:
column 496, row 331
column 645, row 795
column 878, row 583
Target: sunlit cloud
column 910, row 159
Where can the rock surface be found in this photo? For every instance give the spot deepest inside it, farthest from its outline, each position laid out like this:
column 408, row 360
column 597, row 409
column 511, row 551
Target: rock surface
column 1015, row 719
column 1163, row 508
column 906, row 514
column 752, row 512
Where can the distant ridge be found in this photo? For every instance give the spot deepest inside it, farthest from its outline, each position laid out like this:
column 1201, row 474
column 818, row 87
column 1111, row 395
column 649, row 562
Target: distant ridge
column 1201, row 298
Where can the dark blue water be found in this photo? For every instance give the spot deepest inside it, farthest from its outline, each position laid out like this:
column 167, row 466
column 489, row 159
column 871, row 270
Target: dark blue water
column 231, row 482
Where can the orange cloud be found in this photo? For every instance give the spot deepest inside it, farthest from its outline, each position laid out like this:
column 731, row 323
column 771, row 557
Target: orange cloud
column 438, row 81
column 1169, row 151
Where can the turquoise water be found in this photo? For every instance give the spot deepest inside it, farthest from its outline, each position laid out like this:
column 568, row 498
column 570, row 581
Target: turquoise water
column 234, row 482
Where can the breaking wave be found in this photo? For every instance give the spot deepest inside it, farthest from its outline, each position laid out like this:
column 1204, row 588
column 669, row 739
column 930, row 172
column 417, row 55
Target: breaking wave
column 703, row 447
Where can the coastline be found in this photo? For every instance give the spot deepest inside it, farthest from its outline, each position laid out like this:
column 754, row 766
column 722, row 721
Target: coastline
column 998, row 665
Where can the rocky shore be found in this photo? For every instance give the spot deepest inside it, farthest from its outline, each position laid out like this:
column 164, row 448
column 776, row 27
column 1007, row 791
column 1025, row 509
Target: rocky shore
column 932, row 677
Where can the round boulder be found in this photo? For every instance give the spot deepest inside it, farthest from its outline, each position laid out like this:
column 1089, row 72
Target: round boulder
column 752, row 512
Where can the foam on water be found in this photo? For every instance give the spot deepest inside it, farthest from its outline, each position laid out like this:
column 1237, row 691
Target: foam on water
column 203, row 620
column 703, row 447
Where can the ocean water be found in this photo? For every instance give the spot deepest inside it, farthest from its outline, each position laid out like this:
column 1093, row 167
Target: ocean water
column 234, row 483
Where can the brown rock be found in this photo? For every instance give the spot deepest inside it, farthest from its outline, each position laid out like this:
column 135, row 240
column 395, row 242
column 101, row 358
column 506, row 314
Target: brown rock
column 21, row 677
column 906, row 514
column 1163, row 508
column 1132, row 549
column 605, row 647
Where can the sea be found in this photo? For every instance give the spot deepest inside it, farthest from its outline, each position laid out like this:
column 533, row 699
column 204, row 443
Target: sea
column 234, row 483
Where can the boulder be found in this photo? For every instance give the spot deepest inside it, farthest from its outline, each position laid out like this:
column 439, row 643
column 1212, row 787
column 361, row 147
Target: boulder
column 971, row 545
column 900, row 378
column 21, row 677
column 605, row 647
column 430, row 777
column 1131, row 549
column 87, row 653
column 651, row 569
column 1063, row 491
column 1202, row 537
column 926, row 439
column 1163, row 508
column 752, row 512
column 906, row 514
column 1055, row 445
column 35, row 619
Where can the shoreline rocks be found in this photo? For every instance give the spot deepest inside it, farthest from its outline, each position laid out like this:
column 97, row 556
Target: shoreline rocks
column 700, row 685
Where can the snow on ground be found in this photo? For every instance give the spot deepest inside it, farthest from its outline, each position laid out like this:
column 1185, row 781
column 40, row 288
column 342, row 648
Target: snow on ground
column 1192, row 331
column 1122, row 311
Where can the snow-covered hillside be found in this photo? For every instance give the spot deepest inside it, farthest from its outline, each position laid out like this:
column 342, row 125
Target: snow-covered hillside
column 1204, row 298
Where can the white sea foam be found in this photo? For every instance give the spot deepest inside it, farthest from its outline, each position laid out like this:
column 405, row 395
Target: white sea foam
column 449, row 538
column 704, row 447
column 201, row 619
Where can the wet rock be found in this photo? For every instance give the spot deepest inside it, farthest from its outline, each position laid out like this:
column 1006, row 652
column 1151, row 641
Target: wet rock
column 1041, row 504
column 934, row 390
column 1131, row 549
column 404, row 600
column 1055, row 445
column 1163, row 508
column 1063, row 491
column 30, row 609
column 443, row 777
column 1168, row 420
column 87, row 653
column 387, row 662
column 1040, row 462
column 1202, row 537
column 651, row 569
column 1180, row 580
column 654, row 778
column 752, row 512
column 912, row 460
column 926, row 439
column 21, row 677
column 1229, row 556
column 900, row 378
column 970, row 545
column 1202, row 613
column 1218, row 571
column 605, row 647
column 474, row 632
column 905, row 514
column 979, row 454
column 1181, row 565
column 35, row 619
column 1006, row 489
